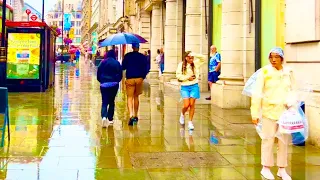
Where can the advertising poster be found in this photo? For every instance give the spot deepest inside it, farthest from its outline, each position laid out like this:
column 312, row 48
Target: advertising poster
column 23, row 61
column 67, row 21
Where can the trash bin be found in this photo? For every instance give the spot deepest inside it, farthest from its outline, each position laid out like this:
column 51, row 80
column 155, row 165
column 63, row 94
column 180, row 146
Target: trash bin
column 297, row 138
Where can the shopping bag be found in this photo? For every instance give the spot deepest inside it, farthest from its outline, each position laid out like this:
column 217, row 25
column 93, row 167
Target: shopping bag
column 291, row 121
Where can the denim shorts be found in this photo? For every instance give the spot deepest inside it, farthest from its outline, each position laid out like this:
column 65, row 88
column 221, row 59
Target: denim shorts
column 213, row 76
column 191, row 91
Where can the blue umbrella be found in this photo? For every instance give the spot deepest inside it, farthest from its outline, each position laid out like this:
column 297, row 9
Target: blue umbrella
column 122, row 38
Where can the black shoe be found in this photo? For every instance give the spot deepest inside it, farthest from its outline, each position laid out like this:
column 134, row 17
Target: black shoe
column 208, row 98
column 136, row 119
column 131, row 120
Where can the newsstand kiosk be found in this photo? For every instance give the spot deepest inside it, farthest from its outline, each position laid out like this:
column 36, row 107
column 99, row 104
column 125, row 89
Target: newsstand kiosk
column 30, row 56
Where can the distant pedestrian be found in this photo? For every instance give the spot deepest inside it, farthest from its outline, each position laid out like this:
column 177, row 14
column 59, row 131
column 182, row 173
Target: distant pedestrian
column 188, row 73
column 77, row 55
column 148, row 60
column 158, row 60
column 214, row 67
column 109, row 75
column 135, row 65
column 161, row 60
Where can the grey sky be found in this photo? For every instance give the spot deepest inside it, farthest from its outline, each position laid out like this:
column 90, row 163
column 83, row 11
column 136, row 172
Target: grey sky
column 37, row 4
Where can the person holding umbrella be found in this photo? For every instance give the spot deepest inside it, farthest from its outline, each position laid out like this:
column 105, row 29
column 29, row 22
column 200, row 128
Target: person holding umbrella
column 136, row 66
column 109, row 75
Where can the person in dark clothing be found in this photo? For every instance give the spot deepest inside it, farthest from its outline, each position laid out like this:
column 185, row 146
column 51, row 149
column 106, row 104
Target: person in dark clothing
column 148, row 60
column 109, row 75
column 77, row 55
column 136, row 67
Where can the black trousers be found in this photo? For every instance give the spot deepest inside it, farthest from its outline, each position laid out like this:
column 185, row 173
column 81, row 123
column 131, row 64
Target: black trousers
column 108, row 97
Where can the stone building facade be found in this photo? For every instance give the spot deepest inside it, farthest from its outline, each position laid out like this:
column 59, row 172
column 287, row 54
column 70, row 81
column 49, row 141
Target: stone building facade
column 302, row 53
column 86, row 20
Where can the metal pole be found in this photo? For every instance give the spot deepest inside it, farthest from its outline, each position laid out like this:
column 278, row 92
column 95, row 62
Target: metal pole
column 42, row 10
column 62, row 21
column 3, row 25
column 3, row 56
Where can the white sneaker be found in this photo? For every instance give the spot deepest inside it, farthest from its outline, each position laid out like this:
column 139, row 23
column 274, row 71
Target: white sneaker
column 266, row 173
column 190, row 126
column 104, row 122
column 282, row 173
column 110, row 122
column 181, row 119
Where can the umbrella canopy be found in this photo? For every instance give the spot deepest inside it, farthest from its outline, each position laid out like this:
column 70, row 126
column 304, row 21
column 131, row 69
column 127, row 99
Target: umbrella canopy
column 122, row 38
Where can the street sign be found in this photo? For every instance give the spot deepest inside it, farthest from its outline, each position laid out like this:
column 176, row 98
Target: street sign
column 34, row 17
column 28, row 11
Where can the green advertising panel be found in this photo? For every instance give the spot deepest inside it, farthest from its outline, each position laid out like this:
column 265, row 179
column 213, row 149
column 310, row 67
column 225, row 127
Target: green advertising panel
column 23, row 60
column 217, row 18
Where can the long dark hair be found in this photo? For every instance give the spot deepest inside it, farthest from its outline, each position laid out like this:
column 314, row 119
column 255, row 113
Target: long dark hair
column 184, row 64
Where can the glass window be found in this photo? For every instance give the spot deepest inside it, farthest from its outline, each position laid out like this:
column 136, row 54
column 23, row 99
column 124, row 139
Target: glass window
column 72, row 23
column 60, row 23
column 7, row 13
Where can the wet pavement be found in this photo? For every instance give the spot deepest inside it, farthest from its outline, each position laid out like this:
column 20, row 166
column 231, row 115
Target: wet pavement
column 58, row 135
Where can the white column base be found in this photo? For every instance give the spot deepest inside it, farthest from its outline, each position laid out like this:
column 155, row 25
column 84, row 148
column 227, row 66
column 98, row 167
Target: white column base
column 229, row 96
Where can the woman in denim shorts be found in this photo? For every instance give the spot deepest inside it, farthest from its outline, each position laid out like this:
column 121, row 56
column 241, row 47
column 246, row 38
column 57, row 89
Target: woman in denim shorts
column 188, row 73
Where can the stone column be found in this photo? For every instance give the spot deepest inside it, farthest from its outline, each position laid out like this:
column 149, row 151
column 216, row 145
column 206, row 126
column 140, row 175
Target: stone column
column 196, row 39
column 156, row 39
column 173, row 38
column 237, row 47
column 144, row 30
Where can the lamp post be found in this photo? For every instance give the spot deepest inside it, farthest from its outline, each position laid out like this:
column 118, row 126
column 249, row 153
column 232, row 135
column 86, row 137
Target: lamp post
column 42, row 10
column 3, row 56
column 62, row 24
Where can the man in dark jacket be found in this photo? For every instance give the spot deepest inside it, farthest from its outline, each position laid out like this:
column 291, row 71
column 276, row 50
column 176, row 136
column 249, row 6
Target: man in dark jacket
column 136, row 67
column 109, row 75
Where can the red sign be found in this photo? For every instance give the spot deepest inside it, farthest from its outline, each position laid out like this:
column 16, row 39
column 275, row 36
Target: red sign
column 28, row 11
column 33, row 17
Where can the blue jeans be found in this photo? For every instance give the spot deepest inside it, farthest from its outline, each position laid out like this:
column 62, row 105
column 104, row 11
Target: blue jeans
column 108, row 97
column 161, row 68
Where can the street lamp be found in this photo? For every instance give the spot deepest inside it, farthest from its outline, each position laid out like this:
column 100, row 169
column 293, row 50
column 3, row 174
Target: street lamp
column 42, row 10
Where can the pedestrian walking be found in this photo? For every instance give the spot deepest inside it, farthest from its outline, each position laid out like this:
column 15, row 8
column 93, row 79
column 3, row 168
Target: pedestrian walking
column 136, row 67
column 109, row 75
column 272, row 96
column 188, row 73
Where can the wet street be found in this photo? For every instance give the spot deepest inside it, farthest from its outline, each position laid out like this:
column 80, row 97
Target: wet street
column 57, row 135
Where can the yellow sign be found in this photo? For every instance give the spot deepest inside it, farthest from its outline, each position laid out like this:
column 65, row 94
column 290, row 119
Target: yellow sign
column 23, row 59
column 71, row 33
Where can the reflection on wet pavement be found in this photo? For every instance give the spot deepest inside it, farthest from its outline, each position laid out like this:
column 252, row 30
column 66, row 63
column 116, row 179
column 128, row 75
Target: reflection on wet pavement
column 58, row 135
